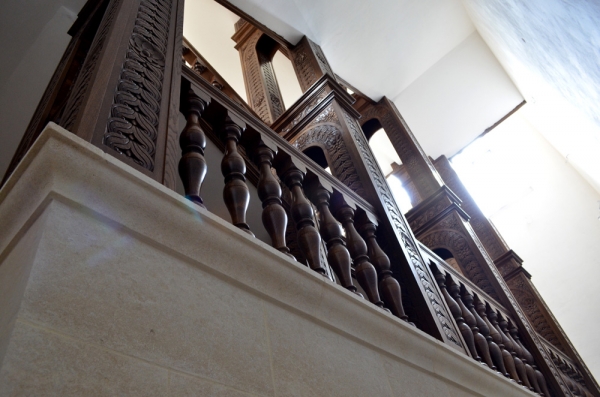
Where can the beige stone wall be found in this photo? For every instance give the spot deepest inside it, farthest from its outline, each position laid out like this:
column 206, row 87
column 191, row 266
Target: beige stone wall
column 112, row 285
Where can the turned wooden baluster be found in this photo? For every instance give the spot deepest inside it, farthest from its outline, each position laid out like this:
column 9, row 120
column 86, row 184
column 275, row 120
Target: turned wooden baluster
column 454, row 307
column 514, row 349
column 274, row 217
column 233, row 167
column 527, row 359
column 486, row 331
column 331, row 231
column 365, row 271
column 502, row 342
column 192, row 166
column 307, row 235
column 388, row 285
column 480, row 340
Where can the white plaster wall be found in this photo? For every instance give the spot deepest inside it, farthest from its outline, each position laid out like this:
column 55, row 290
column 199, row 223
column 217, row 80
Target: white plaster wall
column 26, row 71
column 455, row 100
column 554, row 226
column 209, row 27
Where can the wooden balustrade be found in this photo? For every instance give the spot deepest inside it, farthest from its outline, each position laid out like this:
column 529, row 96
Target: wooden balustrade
column 365, row 271
column 388, row 285
column 456, row 311
column 515, row 351
column 502, row 342
column 192, row 165
column 337, row 252
column 274, row 216
column 476, row 324
column 308, row 237
column 486, row 330
column 235, row 193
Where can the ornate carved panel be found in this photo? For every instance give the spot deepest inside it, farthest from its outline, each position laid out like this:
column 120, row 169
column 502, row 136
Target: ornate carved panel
column 132, row 128
column 310, row 63
column 521, row 289
column 89, row 68
column 329, row 137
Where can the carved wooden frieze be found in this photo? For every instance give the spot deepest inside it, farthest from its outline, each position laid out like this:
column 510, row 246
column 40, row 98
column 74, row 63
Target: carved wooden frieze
column 329, row 137
column 521, row 289
column 310, row 63
column 458, row 244
column 256, row 54
column 89, row 69
column 132, row 128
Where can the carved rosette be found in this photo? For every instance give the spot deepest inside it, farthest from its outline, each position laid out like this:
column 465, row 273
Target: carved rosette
column 132, row 128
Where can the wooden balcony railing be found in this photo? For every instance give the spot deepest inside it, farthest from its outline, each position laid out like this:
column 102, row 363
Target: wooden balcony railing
column 343, row 221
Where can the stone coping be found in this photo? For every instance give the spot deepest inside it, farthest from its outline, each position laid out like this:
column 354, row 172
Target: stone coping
column 63, row 167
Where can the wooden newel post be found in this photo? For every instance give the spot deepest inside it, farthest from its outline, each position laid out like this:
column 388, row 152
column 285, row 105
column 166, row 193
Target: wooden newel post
column 233, row 167
column 274, row 217
column 388, row 285
column 192, row 166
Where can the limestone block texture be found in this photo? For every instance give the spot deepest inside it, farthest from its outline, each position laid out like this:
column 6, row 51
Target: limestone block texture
column 113, row 285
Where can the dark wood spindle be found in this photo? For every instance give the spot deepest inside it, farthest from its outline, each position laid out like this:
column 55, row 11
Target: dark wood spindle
column 502, row 342
column 302, row 213
column 454, row 291
column 480, row 340
column 527, row 359
column 388, row 285
column 515, row 352
column 487, row 331
column 192, row 166
column 365, row 271
column 274, row 217
column 456, row 311
column 235, row 193
column 331, row 231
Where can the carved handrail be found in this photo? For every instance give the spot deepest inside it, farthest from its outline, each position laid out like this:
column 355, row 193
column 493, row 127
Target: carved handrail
column 504, row 352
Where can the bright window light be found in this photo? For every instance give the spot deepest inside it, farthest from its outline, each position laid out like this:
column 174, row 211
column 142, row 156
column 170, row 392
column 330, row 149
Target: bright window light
column 499, row 168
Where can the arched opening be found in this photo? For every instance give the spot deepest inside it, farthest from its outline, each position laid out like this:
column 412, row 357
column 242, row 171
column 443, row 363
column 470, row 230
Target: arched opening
column 447, row 256
column 388, row 161
column 286, row 78
column 316, row 154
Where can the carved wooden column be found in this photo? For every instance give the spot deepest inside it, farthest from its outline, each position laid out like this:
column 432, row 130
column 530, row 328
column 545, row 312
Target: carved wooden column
column 256, row 54
column 309, row 63
column 324, row 117
column 126, row 99
column 421, row 171
column 53, row 101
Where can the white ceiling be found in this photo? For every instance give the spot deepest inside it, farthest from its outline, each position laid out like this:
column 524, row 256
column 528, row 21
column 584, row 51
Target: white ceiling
column 381, row 50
